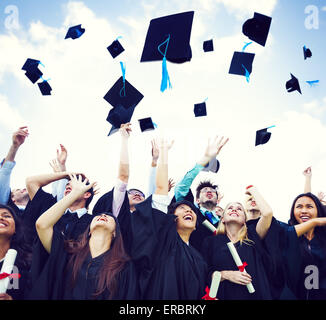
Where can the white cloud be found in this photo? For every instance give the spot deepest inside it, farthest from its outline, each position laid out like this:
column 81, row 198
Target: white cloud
column 82, row 71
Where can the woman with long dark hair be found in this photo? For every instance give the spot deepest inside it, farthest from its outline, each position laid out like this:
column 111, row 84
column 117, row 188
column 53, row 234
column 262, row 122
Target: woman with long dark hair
column 306, row 251
column 12, row 237
column 95, row 266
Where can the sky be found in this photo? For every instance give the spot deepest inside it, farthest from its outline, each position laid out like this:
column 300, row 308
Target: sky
column 81, row 72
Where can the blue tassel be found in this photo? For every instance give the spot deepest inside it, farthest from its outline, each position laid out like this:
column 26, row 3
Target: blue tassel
column 165, row 75
column 123, row 69
column 247, row 74
column 246, row 45
column 313, row 83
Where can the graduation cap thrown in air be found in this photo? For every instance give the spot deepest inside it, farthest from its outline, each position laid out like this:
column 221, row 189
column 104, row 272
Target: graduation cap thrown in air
column 75, row 32
column 45, row 88
column 146, row 124
column 306, row 52
column 293, row 84
column 208, row 45
column 119, row 115
column 241, row 63
column 115, row 48
column 212, row 166
column 123, row 94
column 263, row 136
column 200, row 109
column 257, row 28
column 177, row 28
column 32, row 71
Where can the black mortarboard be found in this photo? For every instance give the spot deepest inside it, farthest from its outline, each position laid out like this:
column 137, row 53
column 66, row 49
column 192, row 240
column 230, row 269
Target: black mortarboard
column 262, row 136
column 45, row 88
column 257, row 28
column 115, row 48
column 119, row 115
column 146, row 124
column 293, row 84
column 200, row 109
column 212, row 166
column 75, row 32
column 306, row 53
column 177, row 28
column 208, row 45
column 240, row 62
column 32, row 71
column 123, row 94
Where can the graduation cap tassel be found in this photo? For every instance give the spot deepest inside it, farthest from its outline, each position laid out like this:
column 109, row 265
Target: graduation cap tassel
column 123, row 89
column 165, row 75
column 247, row 73
column 313, row 83
column 246, row 45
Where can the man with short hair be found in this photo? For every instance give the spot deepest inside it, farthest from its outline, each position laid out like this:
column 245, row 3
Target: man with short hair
column 206, row 194
column 76, row 219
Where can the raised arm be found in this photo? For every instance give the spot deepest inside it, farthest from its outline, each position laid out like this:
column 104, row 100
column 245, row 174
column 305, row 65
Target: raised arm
column 307, row 184
column 45, row 223
column 18, row 138
column 123, row 174
column 152, row 174
column 266, row 211
column 59, row 165
column 305, row 227
column 34, row 183
column 213, row 148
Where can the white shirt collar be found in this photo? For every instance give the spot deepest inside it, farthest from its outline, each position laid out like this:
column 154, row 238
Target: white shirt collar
column 80, row 212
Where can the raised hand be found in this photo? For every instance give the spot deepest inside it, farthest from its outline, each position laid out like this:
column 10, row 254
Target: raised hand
column 171, row 184
column 79, row 185
column 55, row 165
column 155, row 151
column 214, row 146
column 125, row 130
column 18, row 137
column 62, row 157
column 307, row 172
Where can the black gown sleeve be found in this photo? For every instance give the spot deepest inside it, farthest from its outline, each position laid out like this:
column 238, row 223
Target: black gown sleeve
column 152, row 233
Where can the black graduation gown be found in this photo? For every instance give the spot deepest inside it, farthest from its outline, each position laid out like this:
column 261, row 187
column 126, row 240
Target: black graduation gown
column 41, row 202
column 219, row 258
column 300, row 254
column 201, row 232
column 168, row 268
column 54, row 281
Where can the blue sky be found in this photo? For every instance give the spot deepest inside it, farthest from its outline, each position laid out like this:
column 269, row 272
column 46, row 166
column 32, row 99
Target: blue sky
column 82, row 71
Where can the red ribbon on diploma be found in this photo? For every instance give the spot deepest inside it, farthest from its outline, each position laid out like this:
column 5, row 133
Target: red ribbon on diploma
column 206, row 296
column 5, row 275
column 241, row 268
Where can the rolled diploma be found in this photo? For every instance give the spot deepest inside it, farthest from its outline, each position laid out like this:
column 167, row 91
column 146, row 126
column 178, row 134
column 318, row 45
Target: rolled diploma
column 7, row 267
column 208, row 225
column 215, row 284
column 238, row 262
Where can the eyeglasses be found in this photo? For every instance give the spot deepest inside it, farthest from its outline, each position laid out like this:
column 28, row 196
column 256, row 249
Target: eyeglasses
column 135, row 192
column 208, row 189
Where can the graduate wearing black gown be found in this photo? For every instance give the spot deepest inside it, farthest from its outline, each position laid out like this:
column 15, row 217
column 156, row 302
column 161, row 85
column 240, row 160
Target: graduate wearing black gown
column 169, row 268
column 306, row 238
column 248, row 243
column 16, row 241
column 93, row 267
